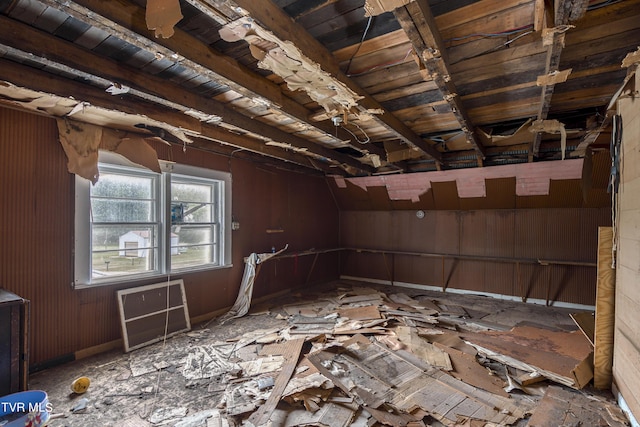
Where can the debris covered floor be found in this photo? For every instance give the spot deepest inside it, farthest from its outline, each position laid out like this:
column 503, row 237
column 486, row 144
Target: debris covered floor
column 349, row 354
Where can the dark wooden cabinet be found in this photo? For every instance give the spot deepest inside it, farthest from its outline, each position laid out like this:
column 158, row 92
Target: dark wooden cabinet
column 14, row 342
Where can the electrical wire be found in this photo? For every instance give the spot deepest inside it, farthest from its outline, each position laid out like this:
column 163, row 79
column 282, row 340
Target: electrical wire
column 164, row 342
column 603, row 4
column 385, row 64
column 366, row 140
column 364, row 36
column 493, row 49
column 490, row 35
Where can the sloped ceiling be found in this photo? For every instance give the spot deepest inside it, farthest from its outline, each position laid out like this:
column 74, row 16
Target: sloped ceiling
column 335, row 87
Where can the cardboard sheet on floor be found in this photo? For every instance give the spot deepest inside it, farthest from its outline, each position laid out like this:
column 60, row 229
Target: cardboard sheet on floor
column 377, row 376
column 452, row 340
column 564, row 357
column 368, row 312
column 560, row 407
column 466, row 368
column 423, row 348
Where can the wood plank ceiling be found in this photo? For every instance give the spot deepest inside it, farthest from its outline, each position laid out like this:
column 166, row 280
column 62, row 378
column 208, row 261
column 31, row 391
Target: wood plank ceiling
column 342, row 87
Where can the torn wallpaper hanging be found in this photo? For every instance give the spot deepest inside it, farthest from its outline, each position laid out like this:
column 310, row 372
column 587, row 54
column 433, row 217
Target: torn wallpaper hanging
column 243, row 301
column 82, row 141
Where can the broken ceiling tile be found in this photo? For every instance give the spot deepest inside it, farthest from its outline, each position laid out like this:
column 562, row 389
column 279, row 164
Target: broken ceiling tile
column 398, row 380
column 199, row 418
column 208, row 361
column 165, row 414
column 329, row 414
column 423, row 349
column 261, row 365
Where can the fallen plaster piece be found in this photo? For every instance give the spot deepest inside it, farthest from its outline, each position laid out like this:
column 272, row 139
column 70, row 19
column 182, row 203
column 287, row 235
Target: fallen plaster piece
column 287, row 61
column 162, row 16
column 208, row 361
column 197, row 419
column 164, row 414
column 532, row 179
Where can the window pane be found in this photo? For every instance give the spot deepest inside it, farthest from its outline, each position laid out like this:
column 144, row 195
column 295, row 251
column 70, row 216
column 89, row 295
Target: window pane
column 110, row 210
column 190, row 213
column 200, row 193
column 191, row 235
column 124, row 186
column 192, row 202
column 190, row 256
column 123, row 198
column 118, row 250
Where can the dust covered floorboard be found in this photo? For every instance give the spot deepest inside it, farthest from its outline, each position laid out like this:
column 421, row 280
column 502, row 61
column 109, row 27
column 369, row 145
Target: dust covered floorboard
column 348, row 354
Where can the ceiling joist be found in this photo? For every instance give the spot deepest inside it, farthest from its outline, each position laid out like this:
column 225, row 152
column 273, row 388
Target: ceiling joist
column 127, row 23
column 275, row 20
column 566, row 11
column 418, row 22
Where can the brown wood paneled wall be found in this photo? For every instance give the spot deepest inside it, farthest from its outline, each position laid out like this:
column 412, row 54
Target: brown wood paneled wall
column 473, row 236
column 37, row 202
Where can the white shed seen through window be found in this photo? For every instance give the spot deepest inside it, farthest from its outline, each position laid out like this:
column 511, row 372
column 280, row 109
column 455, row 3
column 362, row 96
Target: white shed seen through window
column 135, row 223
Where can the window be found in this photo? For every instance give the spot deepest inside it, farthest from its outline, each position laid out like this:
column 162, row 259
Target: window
column 135, row 223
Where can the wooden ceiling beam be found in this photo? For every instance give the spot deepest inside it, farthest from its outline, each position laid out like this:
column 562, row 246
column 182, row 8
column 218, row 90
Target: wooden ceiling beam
column 565, row 12
column 41, row 44
column 418, row 23
column 126, row 20
column 45, row 82
column 274, row 19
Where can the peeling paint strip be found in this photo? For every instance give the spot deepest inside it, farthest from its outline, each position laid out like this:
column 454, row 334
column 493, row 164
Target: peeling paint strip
column 162, row 16
column 553, row 78
column 285, row 60
column 82, row 141
column 532, row 179
column 378, row 7
column 632, row 58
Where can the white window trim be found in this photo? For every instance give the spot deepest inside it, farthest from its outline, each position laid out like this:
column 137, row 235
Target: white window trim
column 82, row 240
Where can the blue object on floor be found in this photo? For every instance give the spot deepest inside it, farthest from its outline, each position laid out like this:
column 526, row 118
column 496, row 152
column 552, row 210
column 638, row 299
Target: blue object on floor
column 25, row 409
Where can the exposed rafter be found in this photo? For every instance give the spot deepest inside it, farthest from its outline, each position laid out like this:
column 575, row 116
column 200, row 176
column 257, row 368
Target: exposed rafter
column 275, row 20
column 566, row 11
column 418, row 22
column 126, row 21
column 25, row 76
column 36, row 42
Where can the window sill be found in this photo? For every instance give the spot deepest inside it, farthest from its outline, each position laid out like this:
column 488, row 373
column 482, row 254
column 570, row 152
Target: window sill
column 141, row 280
